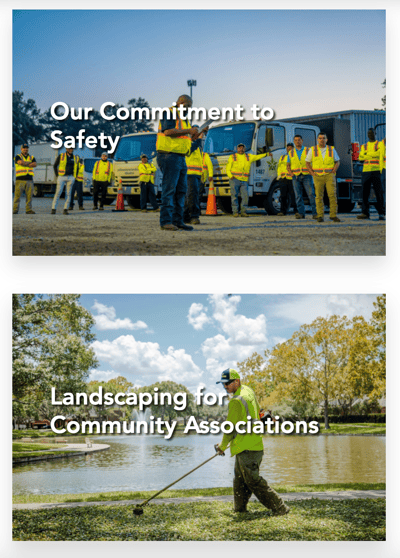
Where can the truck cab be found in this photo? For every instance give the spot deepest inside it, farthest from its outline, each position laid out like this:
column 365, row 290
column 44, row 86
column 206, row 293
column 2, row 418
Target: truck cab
column 126, row 162
column 258, row 137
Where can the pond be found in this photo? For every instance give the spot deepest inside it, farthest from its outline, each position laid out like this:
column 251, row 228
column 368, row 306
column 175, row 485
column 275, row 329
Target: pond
column 150, row 462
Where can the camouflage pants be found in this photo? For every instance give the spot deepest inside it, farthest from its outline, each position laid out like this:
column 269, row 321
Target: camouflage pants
column 247, row 481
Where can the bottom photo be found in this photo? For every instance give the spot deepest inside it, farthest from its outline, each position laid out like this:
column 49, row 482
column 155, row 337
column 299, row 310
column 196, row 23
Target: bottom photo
column 195, row 417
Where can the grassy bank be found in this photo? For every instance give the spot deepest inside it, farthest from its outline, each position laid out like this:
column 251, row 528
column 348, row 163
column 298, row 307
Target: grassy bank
column 357, row 428
column 223, row 491
column 309, row 520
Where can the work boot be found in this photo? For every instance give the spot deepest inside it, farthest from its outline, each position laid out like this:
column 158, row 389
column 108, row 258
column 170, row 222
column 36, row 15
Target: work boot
column 298, row 216
column 195, row 221
column 95, row 208
column 362, row 216
column 283, row 510
column 101, row 208
column 142, row 210
column 169, row 227
column 382, row 218
column 236, row 214
column 185, row 227
column 320, row 219
column 157, row 209
column 53, row 211
column 243, row 214
column 65, row 212
column 81, row 208
column 15, row 212
column 336, row 219
column 30, row 212
column 315, row 216
column 71, row 207
column 280, row 214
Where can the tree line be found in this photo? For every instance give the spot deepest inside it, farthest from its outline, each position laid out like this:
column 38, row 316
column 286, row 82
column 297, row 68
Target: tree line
column 30, row 124
column 333, row 361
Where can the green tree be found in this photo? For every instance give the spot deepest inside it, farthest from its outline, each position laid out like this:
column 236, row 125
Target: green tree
column 254, row 373
column 26, row 120
column 51, row 345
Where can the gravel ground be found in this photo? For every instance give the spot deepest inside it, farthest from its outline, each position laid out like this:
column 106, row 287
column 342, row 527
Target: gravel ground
column 98, row 233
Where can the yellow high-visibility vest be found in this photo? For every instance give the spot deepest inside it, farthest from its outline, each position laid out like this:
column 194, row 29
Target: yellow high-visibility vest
column 63, row 164
column 297, row 165
column 382, row 160
column 322, row 166
column 21, row 170
column 370, row 154
column 79, row 176
column 178, row 144
column 239, row 165
column 194, row 162
column 208, row 169
column 282, row 168
column 102, row 171
column 146, row 172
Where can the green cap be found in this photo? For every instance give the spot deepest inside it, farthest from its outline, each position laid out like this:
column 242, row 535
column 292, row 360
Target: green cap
column 228, row 375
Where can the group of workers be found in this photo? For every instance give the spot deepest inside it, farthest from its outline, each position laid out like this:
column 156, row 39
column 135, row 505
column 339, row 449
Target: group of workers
column 185, row 169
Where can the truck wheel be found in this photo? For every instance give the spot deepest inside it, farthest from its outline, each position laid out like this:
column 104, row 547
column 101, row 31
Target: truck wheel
column 272, row 203
column 345, row 206
column 224, row 204
column 37, row 191
column 133, row 201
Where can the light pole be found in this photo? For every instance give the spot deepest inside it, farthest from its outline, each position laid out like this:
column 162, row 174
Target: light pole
column 191, row 83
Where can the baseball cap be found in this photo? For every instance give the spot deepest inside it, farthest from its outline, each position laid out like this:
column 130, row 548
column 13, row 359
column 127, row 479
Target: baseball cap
column 239, row 144
column 228, row 375
column 289, row 145
column 144, row 155
column 24, row 145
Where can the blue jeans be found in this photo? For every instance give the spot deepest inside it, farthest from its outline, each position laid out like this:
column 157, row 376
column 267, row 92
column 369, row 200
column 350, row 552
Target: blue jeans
column 62, row 181
column 174, row 186
column 238, row 187
column 147, row 193
column 192, row 201
column 306, row 181
column 77, row 187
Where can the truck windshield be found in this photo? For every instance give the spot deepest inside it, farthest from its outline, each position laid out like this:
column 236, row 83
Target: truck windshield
column 130, row 148
column 224, row 139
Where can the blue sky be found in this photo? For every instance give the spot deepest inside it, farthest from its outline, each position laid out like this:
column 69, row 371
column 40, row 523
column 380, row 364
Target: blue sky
column 190, row 339
column 296, row 62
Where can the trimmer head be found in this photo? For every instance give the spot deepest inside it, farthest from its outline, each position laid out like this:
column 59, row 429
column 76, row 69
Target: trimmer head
column 138, row 510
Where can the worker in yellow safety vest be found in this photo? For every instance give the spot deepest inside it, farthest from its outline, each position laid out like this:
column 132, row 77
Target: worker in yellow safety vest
column 247, row 447
column 370, row 155
column 102, row 176
column 238, row 171
column 301, row 177
column 24, row 165
column 285, row 182
column 66, row 169
column 322, row 162
column 146, row 181
column 174, row 140
column 78, row 187
column 194, row 163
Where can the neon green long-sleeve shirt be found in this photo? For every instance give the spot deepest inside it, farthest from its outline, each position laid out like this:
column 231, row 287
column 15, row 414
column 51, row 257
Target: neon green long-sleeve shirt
column 236, row 413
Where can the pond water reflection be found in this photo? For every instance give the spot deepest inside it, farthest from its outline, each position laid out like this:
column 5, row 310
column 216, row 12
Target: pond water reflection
column 151, row 462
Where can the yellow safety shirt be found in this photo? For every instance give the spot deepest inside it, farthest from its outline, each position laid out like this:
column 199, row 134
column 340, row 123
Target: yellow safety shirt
column 382, row 160
column 102, row 171
column 20, row 170
column 208, row 169
column 194, row 162
column 63, row 164
column 146, row 172
column 178, row 144
column 282, row 168
column 297, row 165
column 239, row 165
column 370, row 154
column 79, row 176
column 321, row 165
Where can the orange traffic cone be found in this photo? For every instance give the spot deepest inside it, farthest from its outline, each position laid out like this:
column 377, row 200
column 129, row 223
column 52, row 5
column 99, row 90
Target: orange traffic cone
column 120, row 198
column 211, row 201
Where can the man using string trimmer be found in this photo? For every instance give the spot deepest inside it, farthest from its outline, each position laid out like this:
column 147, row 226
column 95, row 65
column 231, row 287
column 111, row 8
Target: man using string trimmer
column 248, row 448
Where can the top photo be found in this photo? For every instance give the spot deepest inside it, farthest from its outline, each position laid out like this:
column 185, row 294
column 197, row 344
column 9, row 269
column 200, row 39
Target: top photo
column 199, row 133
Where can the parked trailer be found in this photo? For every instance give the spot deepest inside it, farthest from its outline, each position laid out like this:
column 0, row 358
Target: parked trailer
column 344, row 130
column 44, row 179
column 126, row 162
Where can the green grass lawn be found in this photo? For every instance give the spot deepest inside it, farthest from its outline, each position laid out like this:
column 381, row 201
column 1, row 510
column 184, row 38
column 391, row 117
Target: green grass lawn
column 309, row 520
column 357, row 428
column 222, row 491
column 26, row 449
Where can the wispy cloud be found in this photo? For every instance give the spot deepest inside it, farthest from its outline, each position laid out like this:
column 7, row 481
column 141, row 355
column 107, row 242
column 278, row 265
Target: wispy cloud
column 106, row 319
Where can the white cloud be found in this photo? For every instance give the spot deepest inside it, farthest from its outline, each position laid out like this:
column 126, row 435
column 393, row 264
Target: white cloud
column 102, row 375
column 144, row 363
column 241, row 336
column 197, row 316
column 106, row 319
column 306, row 308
